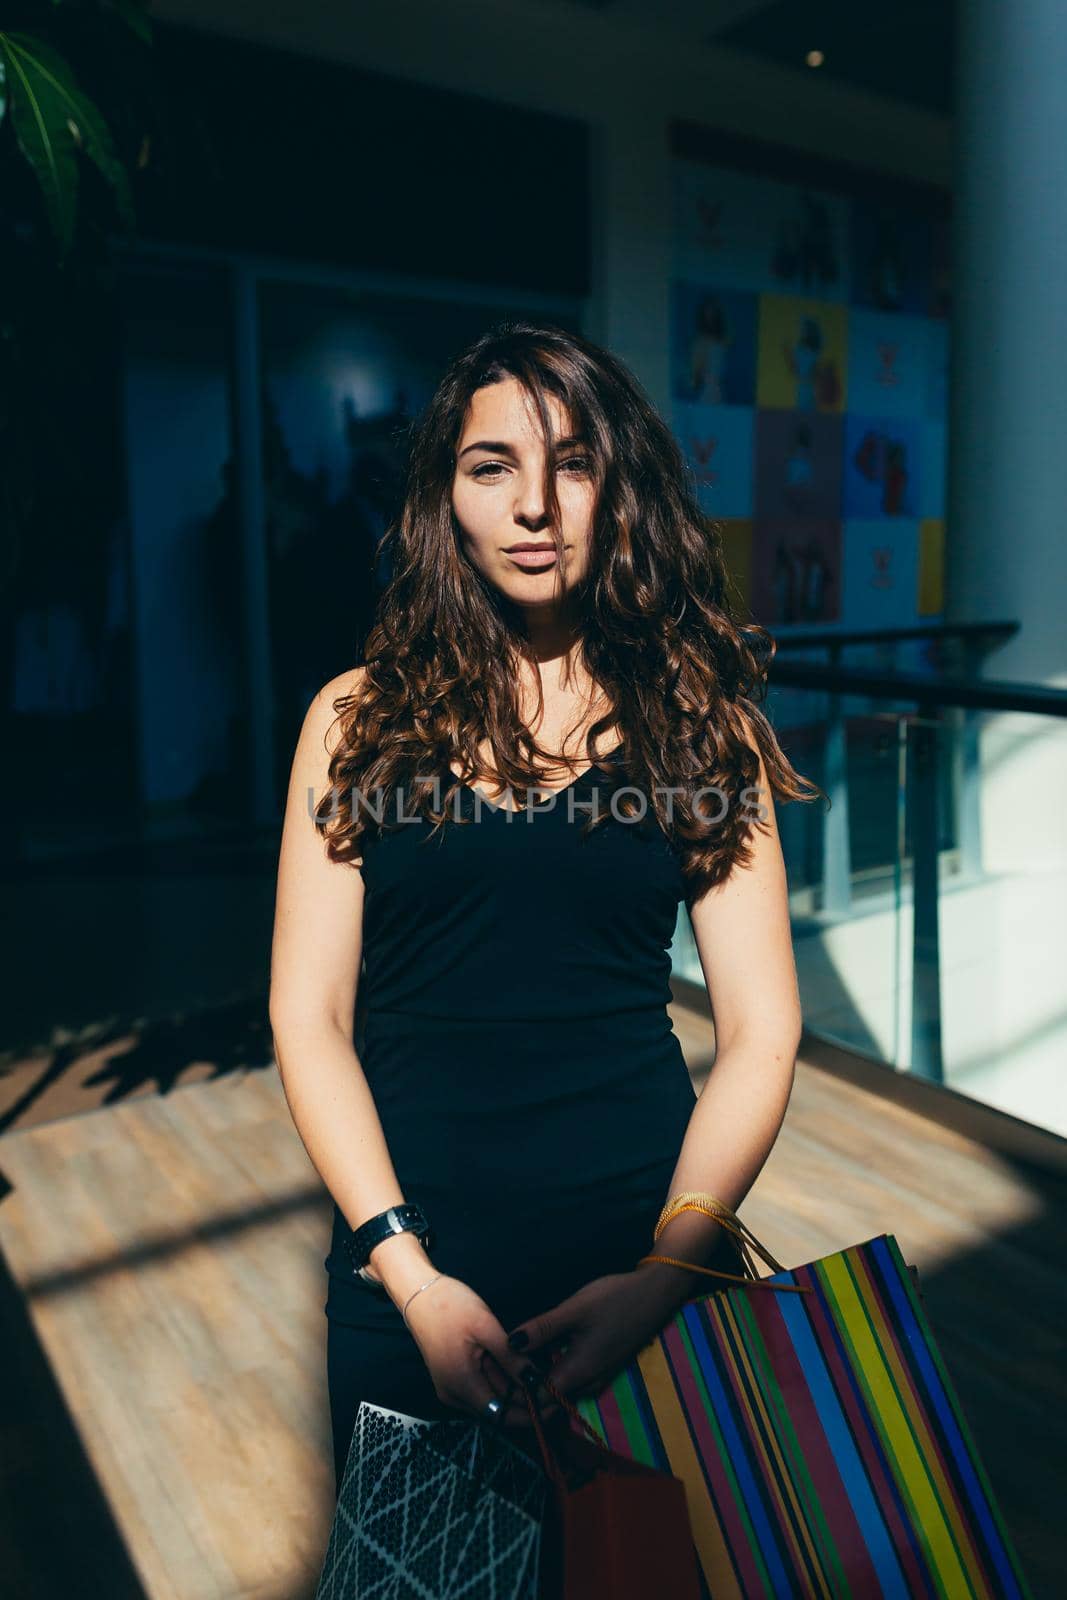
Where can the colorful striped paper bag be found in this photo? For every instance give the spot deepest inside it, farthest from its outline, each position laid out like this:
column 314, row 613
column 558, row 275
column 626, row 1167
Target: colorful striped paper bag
column 820, row 1440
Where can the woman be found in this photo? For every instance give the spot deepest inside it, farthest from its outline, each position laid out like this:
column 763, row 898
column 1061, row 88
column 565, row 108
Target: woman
column 552, row 743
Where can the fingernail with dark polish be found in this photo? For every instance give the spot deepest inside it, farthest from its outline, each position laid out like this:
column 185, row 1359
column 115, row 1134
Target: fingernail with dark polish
column 518, row 1339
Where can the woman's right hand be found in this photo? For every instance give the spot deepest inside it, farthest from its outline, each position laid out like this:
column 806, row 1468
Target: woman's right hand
column 453, row 1328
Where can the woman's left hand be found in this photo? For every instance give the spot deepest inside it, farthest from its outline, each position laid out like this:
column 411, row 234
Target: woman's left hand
column 603, row 1325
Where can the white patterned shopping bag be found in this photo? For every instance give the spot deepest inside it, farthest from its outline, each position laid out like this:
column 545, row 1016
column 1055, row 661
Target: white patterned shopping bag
column 446, row 1510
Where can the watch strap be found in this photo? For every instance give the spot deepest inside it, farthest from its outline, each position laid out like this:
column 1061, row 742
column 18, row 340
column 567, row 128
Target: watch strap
column 407, row 1217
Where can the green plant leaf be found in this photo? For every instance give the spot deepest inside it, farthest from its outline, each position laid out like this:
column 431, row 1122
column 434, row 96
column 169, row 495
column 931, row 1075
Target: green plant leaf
column 48, row 149
column 52, row 118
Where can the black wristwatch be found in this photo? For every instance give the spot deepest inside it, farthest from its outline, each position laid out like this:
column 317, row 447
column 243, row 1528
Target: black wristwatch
column 406, row 1218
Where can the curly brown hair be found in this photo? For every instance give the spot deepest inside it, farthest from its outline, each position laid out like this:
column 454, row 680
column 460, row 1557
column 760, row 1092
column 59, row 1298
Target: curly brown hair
column 659, row 639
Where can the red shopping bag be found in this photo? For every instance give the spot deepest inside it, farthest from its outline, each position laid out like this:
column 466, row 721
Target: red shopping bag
column 613, row 1528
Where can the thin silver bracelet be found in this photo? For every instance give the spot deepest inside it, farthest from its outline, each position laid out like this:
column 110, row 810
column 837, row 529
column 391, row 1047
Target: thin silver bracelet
column 414, row 1292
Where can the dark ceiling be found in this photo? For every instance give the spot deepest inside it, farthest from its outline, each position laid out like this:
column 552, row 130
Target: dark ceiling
column 899, row 48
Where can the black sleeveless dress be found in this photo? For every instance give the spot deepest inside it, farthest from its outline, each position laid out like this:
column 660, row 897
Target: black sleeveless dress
column 532, row 1091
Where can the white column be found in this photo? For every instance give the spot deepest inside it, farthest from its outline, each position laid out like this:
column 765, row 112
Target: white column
column 1007, row 545
column 1007, row 535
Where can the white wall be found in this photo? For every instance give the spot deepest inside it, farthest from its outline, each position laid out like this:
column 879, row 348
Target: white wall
column 1008, row 555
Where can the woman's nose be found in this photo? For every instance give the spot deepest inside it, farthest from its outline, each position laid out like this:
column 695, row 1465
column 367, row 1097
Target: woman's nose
column 530, row 505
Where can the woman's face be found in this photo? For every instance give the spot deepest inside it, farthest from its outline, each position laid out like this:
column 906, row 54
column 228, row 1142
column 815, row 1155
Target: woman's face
column 498, row 498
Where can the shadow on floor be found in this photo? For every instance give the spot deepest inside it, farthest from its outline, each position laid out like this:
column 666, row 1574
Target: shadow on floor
column 126, row 1057
column 58, row 1536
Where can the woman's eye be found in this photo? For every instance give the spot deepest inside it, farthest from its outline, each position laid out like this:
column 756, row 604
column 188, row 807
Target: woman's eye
column 578, row 465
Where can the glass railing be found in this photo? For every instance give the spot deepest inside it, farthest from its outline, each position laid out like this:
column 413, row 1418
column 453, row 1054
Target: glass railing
column 929, row 900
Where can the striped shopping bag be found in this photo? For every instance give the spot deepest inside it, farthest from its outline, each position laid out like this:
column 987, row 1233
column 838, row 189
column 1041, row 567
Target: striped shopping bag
column 820, row 1440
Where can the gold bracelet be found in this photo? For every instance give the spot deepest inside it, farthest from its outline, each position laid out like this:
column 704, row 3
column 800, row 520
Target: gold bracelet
column 414, row 1292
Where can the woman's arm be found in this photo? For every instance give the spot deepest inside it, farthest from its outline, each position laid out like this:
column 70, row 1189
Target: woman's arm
column 745, row 947
column 316, row 956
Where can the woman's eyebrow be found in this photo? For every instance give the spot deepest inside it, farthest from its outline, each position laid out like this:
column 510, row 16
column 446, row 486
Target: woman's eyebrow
column 499, row 448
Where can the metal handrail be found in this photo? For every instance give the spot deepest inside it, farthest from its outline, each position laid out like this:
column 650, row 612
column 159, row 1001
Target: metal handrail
column 973, row 694
column 996, row 632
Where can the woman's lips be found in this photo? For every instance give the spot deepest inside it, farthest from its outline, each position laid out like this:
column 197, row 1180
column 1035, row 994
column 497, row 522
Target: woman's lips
column 532, row 558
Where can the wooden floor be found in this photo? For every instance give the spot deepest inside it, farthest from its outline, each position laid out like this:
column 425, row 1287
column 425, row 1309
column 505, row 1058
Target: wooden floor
column 165, row 1427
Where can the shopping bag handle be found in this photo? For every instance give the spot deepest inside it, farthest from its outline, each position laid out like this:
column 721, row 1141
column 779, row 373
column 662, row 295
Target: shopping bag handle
column 551, row 1464
column 747, row 1246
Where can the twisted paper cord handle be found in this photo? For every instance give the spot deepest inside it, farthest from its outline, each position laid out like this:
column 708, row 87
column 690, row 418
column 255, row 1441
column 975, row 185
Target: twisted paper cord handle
column 692, row 1200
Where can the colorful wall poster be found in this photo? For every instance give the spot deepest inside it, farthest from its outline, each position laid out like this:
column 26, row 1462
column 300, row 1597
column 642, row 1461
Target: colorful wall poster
column 881, row 573
column 736, row 535
column 738, row 230
column 933, row 469
column 798, row 465
column 888, row 364
column 882, row 467
column 936, row 396
column 796, row 571
column 803, row 347
column 892, row 258
column 931, row 593
column 718, row 445
column 809, row 376
column 713, row 351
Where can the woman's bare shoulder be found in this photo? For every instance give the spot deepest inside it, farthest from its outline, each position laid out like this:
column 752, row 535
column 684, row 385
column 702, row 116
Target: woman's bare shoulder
column 346, row 683
column 324, row 711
